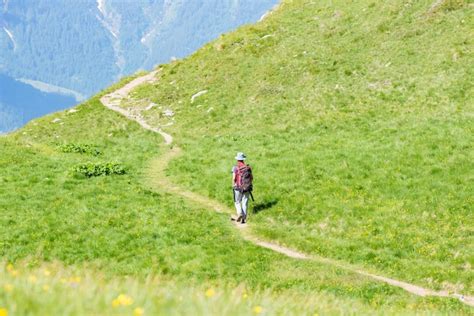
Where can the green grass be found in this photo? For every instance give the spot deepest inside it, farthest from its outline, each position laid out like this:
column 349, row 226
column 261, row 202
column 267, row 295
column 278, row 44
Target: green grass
column 118, row 226
column 358, row 125
column 357, row 119
column 82, row 291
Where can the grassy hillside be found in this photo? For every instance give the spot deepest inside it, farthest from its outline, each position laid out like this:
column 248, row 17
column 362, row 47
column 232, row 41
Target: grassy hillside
column 362, row 152
column 119, row 227
column 90, row 292
column 82, row 291
column 357, row 118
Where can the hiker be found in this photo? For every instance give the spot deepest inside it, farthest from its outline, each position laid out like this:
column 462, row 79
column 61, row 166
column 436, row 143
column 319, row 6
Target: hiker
column 242, row 186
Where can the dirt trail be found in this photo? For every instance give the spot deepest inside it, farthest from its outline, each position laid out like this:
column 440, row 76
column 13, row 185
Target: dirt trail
column 158, row 178
column 113, row 100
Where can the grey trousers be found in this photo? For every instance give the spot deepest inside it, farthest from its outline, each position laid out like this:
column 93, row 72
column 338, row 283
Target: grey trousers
column 241, row 200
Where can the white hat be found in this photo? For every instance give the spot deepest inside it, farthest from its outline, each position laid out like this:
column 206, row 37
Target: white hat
column 240, row 156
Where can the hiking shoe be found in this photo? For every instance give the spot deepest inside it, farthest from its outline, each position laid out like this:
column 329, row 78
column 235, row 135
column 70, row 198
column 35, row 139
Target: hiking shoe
column 244, row 220
column 240, row 218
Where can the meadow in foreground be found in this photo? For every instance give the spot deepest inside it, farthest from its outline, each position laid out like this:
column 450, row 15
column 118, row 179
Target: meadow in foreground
column 53, row 289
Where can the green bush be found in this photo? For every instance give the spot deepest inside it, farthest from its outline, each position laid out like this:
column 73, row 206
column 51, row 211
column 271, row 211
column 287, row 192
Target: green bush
column 90, row 169
column 80, row 148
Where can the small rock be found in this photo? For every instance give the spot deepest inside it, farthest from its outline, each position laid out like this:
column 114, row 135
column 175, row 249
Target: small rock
column 150, row 106
column 168, row 113
column 219, row 47
column 210, row 109
column 56, row 120
column 198, row 95
column 72, row 111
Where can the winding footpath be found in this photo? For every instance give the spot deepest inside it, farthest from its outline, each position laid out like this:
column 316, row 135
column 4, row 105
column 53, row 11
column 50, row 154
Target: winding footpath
column 159, row 179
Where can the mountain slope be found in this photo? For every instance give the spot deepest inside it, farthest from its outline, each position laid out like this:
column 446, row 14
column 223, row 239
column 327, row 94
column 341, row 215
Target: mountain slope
column 157, row 176
column 120, row 227
column 358, row 124
column 360, row 150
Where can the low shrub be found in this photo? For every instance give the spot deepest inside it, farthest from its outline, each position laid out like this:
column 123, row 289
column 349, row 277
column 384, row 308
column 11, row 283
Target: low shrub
column 80, row 149
column 91, row 169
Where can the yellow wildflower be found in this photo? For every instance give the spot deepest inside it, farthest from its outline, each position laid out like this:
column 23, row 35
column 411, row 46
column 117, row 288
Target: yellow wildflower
column 32, row 279
column 46, row 288
column 210, row 293
column 63, row 280
column 245, row 295
column 8, row 287
column 138, row 311
column 11, row 270
column 125, row 300
column 75, row 279
column 258, row 309
column 115, row 303
column 122, row 300
column 3, row 312
column 46, row 272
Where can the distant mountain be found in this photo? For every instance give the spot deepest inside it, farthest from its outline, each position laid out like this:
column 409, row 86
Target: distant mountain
column 80, row 47
column 20, row 102
column 86, row 45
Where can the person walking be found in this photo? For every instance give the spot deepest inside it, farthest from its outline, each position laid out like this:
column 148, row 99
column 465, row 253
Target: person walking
column 242, row 186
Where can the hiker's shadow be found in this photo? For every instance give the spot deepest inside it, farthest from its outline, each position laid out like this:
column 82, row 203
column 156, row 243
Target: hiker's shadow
column 258, row 207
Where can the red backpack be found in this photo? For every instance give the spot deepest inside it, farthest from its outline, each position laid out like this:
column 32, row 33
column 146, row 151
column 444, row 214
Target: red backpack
column 245, row 178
